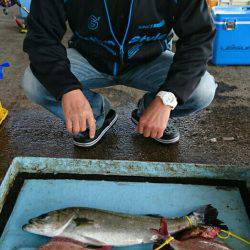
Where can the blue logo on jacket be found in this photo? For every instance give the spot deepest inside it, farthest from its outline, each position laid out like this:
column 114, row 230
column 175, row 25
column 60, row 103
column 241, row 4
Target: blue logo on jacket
column 142, row 39
column 93, row 22
column 153, row 26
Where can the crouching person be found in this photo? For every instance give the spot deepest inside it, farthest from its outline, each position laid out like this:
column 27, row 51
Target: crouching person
column 125, row 43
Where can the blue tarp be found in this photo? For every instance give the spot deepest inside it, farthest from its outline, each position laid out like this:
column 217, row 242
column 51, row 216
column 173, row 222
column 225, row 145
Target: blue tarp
column 40, row 196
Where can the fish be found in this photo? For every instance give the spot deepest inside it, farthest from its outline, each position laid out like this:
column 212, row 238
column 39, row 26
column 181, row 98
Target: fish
column 208, row 232
column 198, row 243
column 105, row 228
column 58, row 243
column 199, row 238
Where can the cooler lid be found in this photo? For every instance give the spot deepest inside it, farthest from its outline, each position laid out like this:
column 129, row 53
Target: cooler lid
column 237, row 13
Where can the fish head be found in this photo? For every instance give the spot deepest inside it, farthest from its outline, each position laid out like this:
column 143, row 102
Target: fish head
column 51, row 224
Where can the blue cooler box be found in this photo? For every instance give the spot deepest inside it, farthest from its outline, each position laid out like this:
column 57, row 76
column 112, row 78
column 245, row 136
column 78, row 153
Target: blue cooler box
column 232, row 41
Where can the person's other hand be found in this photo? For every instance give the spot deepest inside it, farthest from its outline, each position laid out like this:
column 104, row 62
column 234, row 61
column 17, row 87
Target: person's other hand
column 78, row 113
column 7, row 3
column 154, row 119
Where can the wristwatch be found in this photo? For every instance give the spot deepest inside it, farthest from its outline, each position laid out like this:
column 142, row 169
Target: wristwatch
column 168, row 99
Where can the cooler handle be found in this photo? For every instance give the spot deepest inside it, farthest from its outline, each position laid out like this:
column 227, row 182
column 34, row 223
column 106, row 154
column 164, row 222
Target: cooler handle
column 230, row 24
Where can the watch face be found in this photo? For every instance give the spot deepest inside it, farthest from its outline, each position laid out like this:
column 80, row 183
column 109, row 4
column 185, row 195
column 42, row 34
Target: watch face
column 168, row 99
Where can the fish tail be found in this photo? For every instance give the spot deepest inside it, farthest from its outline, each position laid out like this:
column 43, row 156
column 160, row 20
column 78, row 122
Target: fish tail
column 207, row 215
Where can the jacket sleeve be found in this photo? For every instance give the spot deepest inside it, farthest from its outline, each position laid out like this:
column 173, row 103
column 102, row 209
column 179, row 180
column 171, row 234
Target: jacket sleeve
column 48, row 57
column 195, row 30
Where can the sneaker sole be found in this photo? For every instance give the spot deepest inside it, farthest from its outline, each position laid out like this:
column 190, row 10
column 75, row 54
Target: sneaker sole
column 90, row 144
column 172, row 141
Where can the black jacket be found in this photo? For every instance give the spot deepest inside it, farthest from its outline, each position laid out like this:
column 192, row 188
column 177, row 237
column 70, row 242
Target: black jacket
column 93, row 22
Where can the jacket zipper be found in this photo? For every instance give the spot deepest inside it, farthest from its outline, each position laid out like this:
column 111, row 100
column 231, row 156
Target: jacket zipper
column 115, row 70
column 121, row 45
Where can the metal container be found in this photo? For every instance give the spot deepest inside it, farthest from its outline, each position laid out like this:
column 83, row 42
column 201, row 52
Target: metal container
column 232, row 41
column 34, row 186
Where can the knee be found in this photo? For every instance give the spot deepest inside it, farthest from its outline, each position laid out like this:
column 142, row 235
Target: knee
column 31, row 86
column 204, row 93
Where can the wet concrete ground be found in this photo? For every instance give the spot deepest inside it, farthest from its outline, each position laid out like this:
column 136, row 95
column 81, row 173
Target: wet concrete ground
column 32, row 131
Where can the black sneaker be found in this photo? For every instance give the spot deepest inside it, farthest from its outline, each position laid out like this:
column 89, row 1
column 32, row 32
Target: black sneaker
column 83, row 139
column 170, row 135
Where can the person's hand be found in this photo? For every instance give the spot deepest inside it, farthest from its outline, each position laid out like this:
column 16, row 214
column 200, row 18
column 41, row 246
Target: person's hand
column 7, row 3
column 154, row 119
column 78, row 113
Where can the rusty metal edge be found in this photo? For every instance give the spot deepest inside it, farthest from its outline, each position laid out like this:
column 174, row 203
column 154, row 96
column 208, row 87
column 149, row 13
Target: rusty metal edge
column 8, row 182
column 132, row 168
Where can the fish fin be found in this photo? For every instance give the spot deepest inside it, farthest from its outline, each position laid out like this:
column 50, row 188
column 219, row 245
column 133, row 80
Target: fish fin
column 162, row 233
column 208, row 216
column 94, row 242
column 65, row 239
column 83, row 221
column 92, row 246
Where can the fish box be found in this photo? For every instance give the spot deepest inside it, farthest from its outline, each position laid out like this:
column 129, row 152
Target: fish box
column 232, row 41
column 33, row 186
